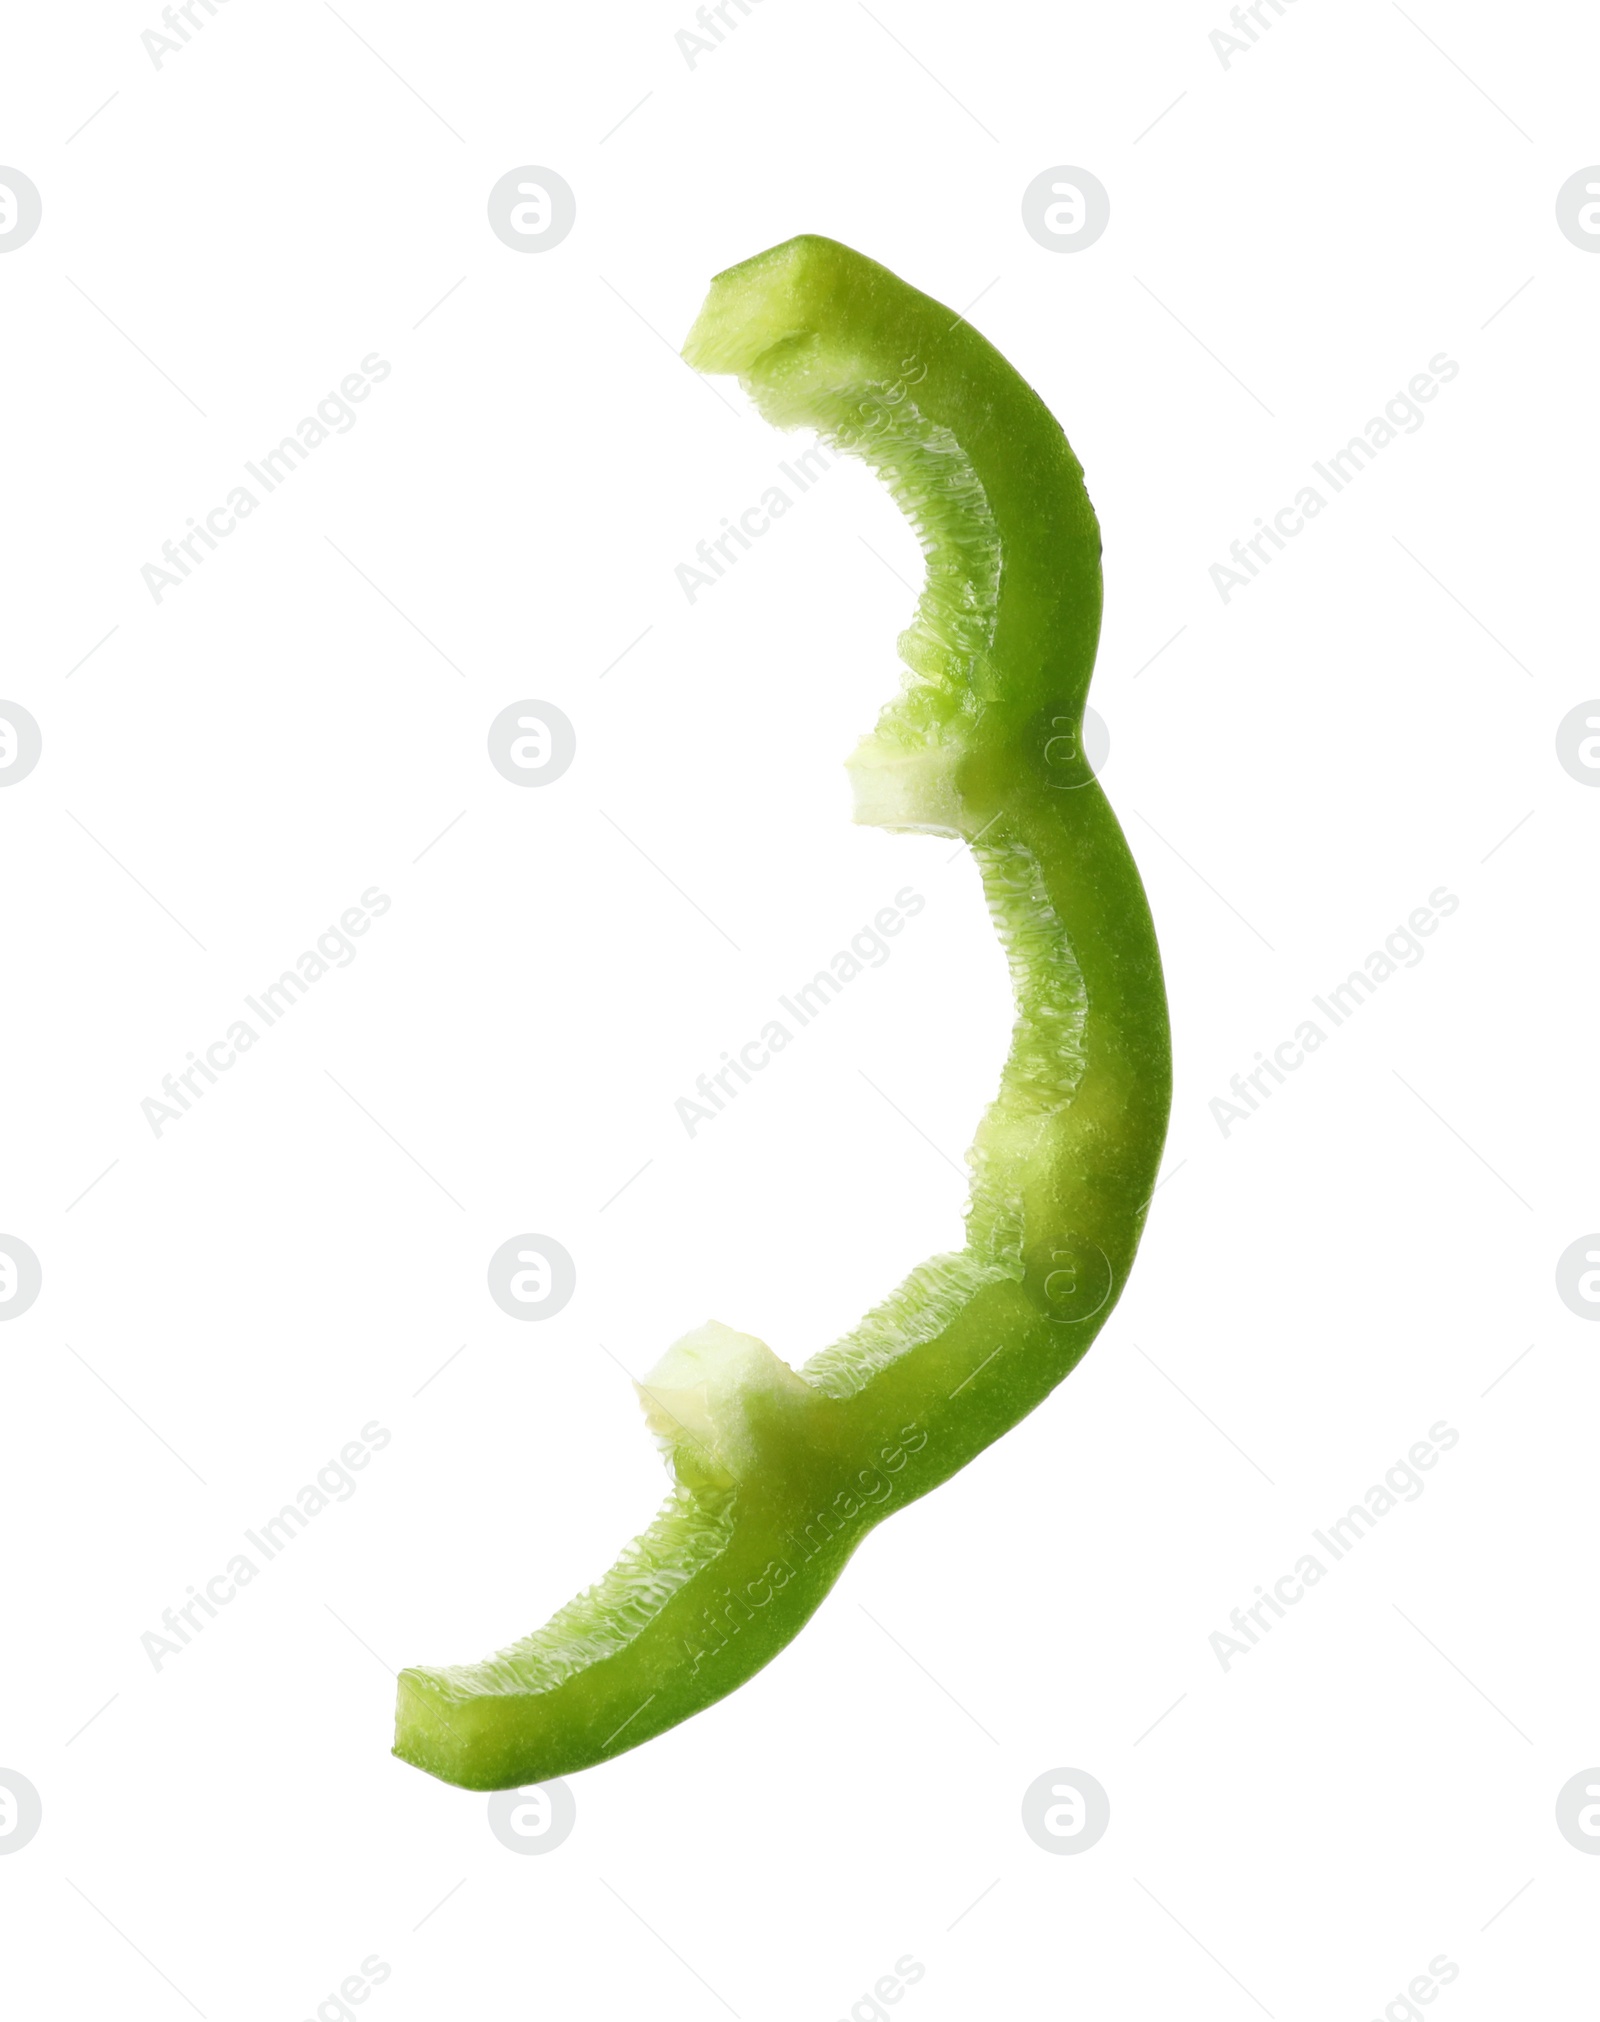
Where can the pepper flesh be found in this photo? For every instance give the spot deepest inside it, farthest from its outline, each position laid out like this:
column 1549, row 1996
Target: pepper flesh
column 779, row 1474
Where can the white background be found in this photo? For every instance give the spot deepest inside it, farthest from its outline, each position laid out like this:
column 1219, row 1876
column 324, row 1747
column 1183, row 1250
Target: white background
column 1294, row 237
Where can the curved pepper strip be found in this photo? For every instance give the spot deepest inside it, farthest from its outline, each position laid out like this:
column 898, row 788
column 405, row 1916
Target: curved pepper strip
column 779, row 1474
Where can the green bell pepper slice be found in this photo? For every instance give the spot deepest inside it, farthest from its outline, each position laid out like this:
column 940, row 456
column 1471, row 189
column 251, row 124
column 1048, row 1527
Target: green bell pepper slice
column 778, row 1474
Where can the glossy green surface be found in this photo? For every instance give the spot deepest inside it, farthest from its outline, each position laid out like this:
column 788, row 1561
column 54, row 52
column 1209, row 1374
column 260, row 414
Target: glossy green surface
column 779, row 1474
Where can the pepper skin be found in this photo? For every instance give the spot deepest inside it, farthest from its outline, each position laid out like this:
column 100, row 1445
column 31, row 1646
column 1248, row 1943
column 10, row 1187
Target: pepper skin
column 779, row 1474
